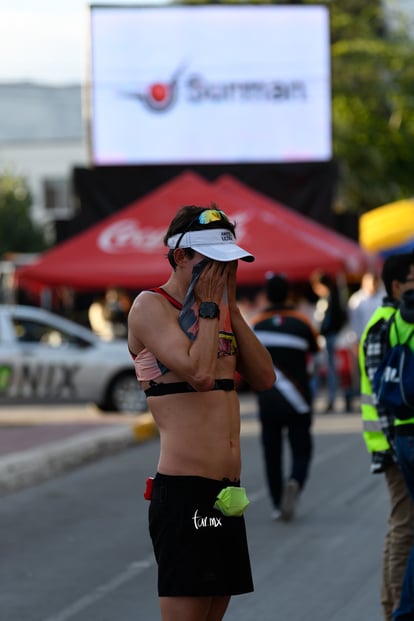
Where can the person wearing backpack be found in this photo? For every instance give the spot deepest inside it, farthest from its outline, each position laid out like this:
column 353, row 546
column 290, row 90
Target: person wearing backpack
column 401, row 330
column 378, row 432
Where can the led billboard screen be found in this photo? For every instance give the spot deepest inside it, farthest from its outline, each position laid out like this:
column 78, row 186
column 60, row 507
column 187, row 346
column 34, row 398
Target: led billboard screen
column 210, row 84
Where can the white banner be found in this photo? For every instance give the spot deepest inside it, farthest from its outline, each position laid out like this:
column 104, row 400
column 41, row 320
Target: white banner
column 210, row 84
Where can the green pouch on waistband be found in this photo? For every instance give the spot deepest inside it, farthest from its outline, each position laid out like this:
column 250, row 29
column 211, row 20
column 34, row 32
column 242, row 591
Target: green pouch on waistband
column 232, row 501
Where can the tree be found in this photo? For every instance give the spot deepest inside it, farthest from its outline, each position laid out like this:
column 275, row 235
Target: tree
column 17, row 231
column 372, row 104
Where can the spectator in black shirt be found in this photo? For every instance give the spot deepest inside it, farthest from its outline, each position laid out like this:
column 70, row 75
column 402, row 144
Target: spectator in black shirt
column 291, row 339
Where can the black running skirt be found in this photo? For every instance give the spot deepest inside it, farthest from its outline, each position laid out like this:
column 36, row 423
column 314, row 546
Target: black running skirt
column 199, row 551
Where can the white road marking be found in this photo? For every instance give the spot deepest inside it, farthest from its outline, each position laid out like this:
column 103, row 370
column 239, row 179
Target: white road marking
column 102, row 590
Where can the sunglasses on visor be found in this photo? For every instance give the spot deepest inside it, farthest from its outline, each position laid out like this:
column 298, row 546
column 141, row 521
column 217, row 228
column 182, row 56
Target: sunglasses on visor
column 205, row 217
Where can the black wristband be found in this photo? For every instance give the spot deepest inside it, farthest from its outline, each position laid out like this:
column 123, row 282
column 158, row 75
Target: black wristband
column 209, row 310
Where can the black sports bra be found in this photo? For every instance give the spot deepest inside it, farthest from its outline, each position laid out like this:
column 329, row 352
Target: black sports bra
column 158, row 390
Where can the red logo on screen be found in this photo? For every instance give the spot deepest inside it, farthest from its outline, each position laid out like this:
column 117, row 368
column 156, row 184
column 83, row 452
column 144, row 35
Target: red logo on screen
column 159, row 96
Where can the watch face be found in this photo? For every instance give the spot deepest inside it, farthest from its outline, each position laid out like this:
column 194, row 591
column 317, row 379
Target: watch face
column 208, row 310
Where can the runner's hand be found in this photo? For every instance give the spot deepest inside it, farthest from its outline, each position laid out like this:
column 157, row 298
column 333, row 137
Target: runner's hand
column 211, row 282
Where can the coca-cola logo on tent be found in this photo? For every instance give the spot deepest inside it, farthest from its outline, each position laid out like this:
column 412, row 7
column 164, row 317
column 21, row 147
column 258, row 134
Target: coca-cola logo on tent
column 129, row 235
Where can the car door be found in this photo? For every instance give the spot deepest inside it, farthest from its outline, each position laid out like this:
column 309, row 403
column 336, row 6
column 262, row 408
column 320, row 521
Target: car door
column 47, row 361
column 7, row 358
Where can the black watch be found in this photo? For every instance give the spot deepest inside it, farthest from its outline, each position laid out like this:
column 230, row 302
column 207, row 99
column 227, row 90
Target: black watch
column 209, row 310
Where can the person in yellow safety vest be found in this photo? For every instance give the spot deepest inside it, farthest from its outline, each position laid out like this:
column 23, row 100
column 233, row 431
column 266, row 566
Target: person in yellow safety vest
column 378, row 433
column 401, row 330
column 375, row 439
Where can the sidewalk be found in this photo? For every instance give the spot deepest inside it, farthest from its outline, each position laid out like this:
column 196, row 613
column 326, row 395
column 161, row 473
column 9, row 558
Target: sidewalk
column 38, row 442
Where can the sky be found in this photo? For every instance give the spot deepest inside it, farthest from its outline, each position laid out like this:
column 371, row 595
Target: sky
column 45, row 40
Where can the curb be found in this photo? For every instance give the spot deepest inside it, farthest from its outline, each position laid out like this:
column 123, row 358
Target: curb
column 29, row 467
column 144, row 428
column 19, row 470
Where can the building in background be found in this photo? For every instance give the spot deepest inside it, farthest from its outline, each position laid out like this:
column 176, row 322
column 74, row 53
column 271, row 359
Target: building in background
column 42, row 137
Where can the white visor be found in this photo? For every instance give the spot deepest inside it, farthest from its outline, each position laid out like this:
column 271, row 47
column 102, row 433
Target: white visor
column 217, row 244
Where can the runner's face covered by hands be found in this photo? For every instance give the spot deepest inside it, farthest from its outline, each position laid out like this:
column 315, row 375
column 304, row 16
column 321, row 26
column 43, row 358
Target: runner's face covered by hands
column 212, row 281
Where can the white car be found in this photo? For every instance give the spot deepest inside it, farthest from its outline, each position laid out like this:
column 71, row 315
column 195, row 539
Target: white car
column 44, row 357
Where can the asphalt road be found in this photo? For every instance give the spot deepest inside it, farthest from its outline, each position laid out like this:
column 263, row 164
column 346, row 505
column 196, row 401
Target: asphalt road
column 76, row 548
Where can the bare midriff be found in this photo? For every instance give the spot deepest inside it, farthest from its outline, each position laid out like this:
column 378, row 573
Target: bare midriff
column 200, row 431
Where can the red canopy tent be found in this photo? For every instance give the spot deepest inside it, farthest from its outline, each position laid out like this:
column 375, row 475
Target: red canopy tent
column 299, row 243
column 126, row 249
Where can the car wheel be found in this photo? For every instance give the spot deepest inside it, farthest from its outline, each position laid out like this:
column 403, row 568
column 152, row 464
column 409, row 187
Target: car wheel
column 124, row 395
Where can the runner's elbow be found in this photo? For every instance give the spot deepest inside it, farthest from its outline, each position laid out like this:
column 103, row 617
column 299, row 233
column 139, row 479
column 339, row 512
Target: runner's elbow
column 272, row 378
column 203, row 383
